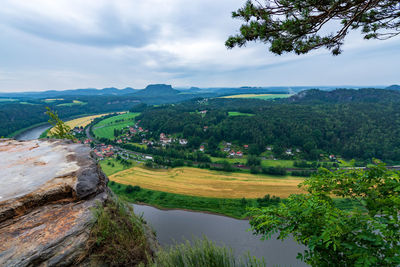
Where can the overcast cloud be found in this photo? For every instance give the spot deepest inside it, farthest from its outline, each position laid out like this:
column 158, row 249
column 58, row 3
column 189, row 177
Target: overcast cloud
column 64, row 44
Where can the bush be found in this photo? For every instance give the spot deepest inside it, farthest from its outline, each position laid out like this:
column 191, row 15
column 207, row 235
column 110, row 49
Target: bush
column 136, row 188
column 117, row 238
column 274, row 170
column 254, row 170
column 129, row 189
column 304, row 173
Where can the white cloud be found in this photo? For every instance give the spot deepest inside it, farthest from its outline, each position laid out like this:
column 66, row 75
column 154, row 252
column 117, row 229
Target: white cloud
column 59, row 44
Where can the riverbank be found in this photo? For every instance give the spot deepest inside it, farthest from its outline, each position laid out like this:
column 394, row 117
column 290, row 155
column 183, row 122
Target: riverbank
column 27, row 129
column 235, row 208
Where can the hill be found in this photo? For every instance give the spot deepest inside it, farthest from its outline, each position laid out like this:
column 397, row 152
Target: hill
column 393, row 87
column 346, row 96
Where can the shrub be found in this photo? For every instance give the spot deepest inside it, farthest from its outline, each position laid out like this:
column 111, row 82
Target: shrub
column 117, row 238
column 129, row 189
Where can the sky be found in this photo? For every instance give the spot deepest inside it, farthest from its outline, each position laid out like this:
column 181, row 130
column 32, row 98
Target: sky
column 67, row 44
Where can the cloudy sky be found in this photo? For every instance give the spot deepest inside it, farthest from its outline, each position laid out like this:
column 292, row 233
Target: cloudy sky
column 64, row 44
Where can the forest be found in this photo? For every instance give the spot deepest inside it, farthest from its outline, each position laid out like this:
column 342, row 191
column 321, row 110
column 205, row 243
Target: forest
column 361, row 124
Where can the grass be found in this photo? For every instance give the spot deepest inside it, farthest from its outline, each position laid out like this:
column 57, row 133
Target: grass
column 74, row 103
column 203, row 252
column 118, row 237
column 111, row 166
column 207, row 183
column 259, row 96
column 105, row 128
column 235, row 113
column 276, row 163
column 232, row 207
column 264, row 163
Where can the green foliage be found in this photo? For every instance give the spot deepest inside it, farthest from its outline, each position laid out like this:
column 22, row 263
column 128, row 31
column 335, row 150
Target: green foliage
column 253, row 161
column 60, row 129
column 366, row 235
column 202, row 252
column 274, row 170
column 313, row 121
column 230, row 207
column 300, row 26
column 117, row 237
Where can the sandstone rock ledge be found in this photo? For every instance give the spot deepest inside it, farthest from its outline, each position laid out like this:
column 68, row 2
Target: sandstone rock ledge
column 47, row 190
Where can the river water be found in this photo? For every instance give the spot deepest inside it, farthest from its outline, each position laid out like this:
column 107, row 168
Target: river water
column 178, row 225
column 33, row 133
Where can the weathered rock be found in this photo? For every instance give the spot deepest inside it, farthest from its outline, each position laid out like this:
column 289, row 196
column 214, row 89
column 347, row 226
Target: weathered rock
column 47, row 191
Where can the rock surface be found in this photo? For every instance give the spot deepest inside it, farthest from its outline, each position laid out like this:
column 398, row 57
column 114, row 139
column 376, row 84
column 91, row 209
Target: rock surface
column 47, row 190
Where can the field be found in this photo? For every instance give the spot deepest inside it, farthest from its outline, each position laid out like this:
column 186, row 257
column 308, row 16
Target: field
column 206, row 183
column 233, row 207
column 84, row 121
column 235, row 113
column 109, row 169
column 74, row 103
column 259, row 96
column 105, row 128
column 8, row 100
column 264, row 162
column 51, row 100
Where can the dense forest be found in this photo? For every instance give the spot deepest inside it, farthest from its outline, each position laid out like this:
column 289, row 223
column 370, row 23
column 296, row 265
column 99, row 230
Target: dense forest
column 361, row 124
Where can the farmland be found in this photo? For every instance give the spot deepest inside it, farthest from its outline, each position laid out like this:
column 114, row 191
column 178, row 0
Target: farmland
column 84, row 121
column 206, row 183
column 105, row 128
column 73, row 103
column 259, row 96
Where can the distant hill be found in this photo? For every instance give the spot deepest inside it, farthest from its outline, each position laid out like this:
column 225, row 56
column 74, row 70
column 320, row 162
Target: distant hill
column 154, row 90
column 346, row 96
column 72, row 92
column 393, row 87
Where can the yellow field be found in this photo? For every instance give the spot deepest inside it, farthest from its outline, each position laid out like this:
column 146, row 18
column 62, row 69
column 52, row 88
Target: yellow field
column 84, row 121
column 206, row 183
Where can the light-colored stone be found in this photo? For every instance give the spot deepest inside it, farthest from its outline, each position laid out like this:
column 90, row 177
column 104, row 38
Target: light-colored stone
column 48, row 189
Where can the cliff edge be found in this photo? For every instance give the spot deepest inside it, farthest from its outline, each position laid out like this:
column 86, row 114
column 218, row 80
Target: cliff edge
column 47, row 191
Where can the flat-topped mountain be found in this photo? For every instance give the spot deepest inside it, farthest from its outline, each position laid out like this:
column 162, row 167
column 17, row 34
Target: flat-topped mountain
column 157, row 90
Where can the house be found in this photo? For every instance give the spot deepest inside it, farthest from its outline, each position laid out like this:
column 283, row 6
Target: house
column 232, row 153
column 269, row 148
column 246, row 146
column 148, row 157
column 201, row 148
column 205, row 128
column 289, row 152
column 203, row 112
column 332, row 157
column 239, row 154
column 183, row 142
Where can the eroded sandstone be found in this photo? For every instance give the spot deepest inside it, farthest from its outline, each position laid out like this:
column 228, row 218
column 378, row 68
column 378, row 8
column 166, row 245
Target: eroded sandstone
column 47, row 191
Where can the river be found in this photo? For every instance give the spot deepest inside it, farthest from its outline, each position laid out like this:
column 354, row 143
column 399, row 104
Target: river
column 179, row 225
column 33, row 133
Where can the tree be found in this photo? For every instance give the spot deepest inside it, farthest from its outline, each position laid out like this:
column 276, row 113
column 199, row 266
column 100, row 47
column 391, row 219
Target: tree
column 368, row 234
column 299, row 26
column 60, row 130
